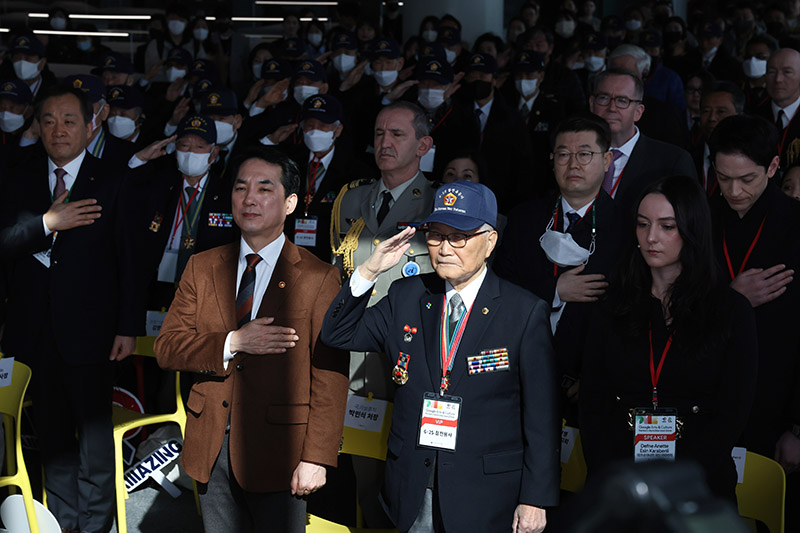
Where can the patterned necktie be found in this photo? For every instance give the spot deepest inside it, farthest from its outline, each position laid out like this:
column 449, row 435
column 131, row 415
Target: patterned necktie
column 315, row 173
column 384, row 209
column 608, row 180
column 456, row 310
column 573, row 217
column 244, row 298
column 779, row 121
column 61, row 185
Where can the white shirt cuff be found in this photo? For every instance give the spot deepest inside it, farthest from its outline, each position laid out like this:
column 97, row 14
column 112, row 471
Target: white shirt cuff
column 359, row 285
column 385, row 101
column 23, row 142
column 256, row 110
column 227, row 355
column 47, row 231
column 135, row 162
column 265, row 140
column 169, row 129
column 556, row 300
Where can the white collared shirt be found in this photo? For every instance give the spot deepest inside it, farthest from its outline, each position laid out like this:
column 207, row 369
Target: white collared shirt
column 788, row 111
column 174, row 242
column 72, row 168
column 627, row 150
column 397, row 192
column 558, row 306
column 527, row 105
column 566, row 208
column 485, row 110
column 264, row 269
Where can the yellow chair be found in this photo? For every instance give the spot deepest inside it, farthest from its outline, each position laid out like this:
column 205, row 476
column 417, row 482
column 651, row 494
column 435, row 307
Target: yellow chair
column 11, row 399
column 315, row 524
column 762, row 494
column 126, row 420
column 573, row 472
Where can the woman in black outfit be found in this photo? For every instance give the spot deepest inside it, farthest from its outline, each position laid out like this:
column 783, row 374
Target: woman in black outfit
column 669, row 288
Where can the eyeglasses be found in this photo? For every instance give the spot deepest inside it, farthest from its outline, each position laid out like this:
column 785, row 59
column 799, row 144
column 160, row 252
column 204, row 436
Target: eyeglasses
column 622, row 102
column 456, row 240
column 697, row 90
column 584, row 157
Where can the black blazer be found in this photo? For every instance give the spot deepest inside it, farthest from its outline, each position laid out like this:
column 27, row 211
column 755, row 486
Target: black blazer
column 87, row 296
column 507, row 448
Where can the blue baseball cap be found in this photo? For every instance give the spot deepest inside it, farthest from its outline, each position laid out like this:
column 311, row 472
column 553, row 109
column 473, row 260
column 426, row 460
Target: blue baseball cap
column 293, row 48
column 275, row 69
column 200, row 125
column 219, row 101
column 448, row 36
column 204, row 68
column 345, row 40
column 27, row 44
column 437, row 70
column 180, row 56
column 324, row 107
column 17, row 91
column 93, row 86
column 125, row 97
column 115, row 63
column 313, row 70
column 388, row 48
column 482, row 63
column 529, row 61
column 464, row 205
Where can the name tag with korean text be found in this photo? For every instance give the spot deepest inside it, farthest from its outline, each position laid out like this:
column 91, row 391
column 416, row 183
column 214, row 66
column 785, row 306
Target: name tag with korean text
column 305, row 231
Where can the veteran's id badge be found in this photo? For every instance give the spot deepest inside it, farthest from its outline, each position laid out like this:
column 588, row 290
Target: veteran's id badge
column 438, row 423
column 305, row 231
column 654, row 432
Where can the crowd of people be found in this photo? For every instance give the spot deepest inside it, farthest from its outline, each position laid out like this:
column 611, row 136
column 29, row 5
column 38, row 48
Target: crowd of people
column 335, row 211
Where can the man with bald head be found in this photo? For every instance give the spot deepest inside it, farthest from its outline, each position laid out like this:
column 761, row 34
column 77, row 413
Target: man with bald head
column 783, row 88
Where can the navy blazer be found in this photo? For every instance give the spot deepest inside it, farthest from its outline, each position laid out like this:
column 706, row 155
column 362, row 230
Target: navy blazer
column 508, row 438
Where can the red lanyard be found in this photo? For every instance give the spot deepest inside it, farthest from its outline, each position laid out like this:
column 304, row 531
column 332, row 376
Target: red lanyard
column 312, row 180
column 656, row 374
column 442, row 119
column 785, row 131
column 179, row 219
column 449, row 346
column 746, row 256
column 619, row 179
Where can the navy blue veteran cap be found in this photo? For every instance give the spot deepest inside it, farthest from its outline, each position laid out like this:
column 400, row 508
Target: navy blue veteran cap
column 93, row 86
column 323, row 107
column 200, row 125
column 432, row 50
column 219, row 101
column 17, row 91
column 650, row 38
column 448, row 36
column 345, row 40
column 180, row 56
column 482, row 63
column 313, row 70
column 204, row 68
column 115, row 63
column 293, row 48
column 202, row 86
column 593, row 40
column 27, row 44
column 388, row 48
column 528, row 61
column 436, row 70
column 464, row 205
column 275, row 69
column 125, row 97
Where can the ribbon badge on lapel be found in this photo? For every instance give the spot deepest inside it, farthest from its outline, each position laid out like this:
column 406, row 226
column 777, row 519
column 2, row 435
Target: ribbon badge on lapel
column 410, row 332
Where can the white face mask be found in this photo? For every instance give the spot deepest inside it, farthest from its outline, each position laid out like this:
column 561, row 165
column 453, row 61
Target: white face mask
column 344, row 63
column 176, row 27
column 430, row 35
column 301, row 92
column 754, row 68
column 25, row 70
column 200, row 34
column 385, row 77
column 58, row 23
column 431, row 98
column 11, row 122
column 224, row 132
column 633, row 24
column 565, row 28
column 84, row 46
column 315, row 39
column 121, row 127
column 257, row 70
column 578, row 65
column 561, row 248
column 593, row 63
column 192, row 164
column 173, row 73
column 95, row 123
column 526, row 87
column 450, row 55
column 318, row 140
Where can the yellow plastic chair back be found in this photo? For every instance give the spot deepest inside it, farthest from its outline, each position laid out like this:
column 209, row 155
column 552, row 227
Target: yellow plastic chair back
column 573, row 472
column 762, row 494
column 11, row 399
column 125, row 420
column 320, row 525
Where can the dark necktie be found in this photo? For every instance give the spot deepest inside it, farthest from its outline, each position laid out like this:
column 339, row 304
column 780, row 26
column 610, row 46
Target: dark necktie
column 456, row 310
column 384, row 209
column 61, row 185
column 608, row 180
column 244, row 298
column 711, row 177
column 779, row 121
column 573, row 217
column 315, row 173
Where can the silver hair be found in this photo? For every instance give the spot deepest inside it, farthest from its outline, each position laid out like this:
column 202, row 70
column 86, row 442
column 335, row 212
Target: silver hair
column 642, row 58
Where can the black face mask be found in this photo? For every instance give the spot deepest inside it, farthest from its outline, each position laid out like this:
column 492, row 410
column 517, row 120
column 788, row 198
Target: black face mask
column 223, row 27
column 480, row 89
column 671, row 38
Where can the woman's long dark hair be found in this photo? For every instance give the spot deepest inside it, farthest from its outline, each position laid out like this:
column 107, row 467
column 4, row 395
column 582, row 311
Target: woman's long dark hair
column 696, row 288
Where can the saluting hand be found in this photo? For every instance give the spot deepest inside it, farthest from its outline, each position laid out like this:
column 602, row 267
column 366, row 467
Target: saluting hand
column 354, row 76
column 282, row 133
column 398, row 92
column 155, row 150
column 387, row 254
column 274, row 95
column 63, row 216
column 259, row 337
column 574, row 287
column 528, row 519
column 760, row 286
column 180, row 111
column 456, row 85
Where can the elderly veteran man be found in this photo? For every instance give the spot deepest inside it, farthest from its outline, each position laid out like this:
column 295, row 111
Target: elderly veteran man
column 474, row 437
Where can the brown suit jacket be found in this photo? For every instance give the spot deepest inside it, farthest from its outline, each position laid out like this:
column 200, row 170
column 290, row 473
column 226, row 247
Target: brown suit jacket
column 283, row 408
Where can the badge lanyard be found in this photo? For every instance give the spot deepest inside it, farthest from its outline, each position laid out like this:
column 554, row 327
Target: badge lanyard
column 312, row 181
column 656, row 374
column 450, row 109
column 619, row 179
column 183, row 212
column 746, row 256
column 554, row 225
column 449, row 344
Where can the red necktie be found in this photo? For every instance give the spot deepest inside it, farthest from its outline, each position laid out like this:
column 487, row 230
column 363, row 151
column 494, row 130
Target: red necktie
column 61, row 185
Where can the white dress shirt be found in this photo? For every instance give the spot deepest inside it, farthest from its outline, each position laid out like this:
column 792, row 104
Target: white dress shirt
column 485, row 110
column 788, row 111
column 72, row 168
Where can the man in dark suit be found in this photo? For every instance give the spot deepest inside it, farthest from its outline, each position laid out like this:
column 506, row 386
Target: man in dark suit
column 470, row 346
column 71, row 304
column 783, row 88
column 637, row 159
column 126, row 123
column 720, row 99
column 265, row 414
column 569, row 278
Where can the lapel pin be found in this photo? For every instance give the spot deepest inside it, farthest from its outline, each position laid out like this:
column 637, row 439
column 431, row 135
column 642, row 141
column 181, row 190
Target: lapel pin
column 410, row 332
column 155, row 224
column 281, row 284
column 417, row 193
column 216, row 197
column 428, row 305
column 91, row 178
column 485, row 310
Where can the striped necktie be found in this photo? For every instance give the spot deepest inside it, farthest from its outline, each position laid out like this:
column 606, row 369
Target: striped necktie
column 244, row 298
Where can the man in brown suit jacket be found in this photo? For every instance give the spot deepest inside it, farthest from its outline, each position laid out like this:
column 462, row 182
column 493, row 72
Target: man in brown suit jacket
column 266, row 411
